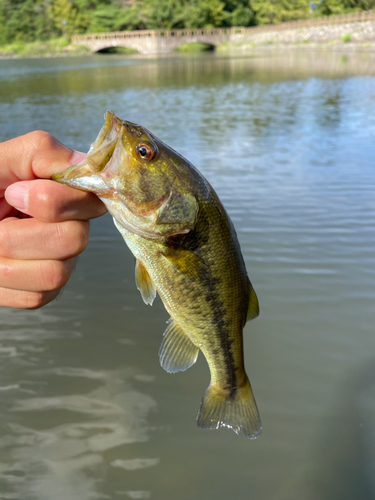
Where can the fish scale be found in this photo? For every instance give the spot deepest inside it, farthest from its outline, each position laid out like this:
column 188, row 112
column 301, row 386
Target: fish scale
column 187, row 251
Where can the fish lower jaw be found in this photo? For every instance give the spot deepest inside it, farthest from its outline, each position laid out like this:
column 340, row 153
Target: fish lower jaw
column 126, row 228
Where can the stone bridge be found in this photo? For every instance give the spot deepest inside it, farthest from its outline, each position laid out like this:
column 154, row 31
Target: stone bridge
column 151, row 42
column 157, row 41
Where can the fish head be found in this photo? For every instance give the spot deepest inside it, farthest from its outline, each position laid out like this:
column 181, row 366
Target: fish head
column 144, row 183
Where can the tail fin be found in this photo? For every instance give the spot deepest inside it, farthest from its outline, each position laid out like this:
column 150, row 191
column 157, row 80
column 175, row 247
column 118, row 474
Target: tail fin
column 241, row 412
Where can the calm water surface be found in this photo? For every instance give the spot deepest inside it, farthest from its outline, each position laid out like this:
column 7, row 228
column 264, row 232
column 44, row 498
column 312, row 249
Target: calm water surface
column 289, row 144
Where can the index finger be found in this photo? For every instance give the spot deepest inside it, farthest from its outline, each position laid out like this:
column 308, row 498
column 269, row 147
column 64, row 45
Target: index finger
column 49, row 201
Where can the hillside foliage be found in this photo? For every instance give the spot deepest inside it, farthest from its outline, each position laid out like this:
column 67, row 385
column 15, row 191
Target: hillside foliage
column 30, row 20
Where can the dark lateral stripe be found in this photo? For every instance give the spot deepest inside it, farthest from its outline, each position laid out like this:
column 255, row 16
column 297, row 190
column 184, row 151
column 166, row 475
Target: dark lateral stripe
column 225, row 341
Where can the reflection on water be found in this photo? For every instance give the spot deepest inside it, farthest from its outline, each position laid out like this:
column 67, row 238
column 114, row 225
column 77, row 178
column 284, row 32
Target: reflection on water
column 43, row 79
column 60, row 424
column 288, row 143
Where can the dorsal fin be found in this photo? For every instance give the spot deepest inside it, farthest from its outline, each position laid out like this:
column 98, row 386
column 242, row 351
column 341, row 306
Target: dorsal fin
column 177, row 352
column 144, row 283
column 253, row 307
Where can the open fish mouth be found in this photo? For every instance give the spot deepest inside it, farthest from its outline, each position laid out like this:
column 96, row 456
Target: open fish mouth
column 108, row 133
column 86, row 174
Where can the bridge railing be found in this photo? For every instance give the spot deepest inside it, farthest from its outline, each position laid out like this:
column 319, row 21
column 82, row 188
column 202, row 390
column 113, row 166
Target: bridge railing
column 368, row 15
column 158, row 33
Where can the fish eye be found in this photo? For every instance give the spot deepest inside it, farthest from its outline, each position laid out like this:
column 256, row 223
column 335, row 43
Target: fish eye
column 146, row 151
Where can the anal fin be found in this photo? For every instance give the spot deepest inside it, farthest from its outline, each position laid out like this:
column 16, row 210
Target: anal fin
column 144, row 283
column 177, row 352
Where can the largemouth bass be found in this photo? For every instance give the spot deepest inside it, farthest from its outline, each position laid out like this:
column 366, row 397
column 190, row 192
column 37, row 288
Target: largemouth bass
column 187, row 251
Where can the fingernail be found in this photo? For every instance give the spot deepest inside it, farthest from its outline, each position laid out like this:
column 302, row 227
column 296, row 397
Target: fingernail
column 17, row 195
column 77, row 157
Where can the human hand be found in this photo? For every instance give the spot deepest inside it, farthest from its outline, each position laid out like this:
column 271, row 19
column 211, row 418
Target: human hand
column 43, row 225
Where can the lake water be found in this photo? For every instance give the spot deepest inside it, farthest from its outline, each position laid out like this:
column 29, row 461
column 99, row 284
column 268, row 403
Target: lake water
column 288, row 142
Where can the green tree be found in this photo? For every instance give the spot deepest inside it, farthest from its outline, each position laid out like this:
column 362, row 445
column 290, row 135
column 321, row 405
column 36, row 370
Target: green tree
column 130, row 19
column 278, row 11
column 329, row 7
column 24, row 21
column 160, row 14
column 204, row 14
column 29, row 20
column 3, row 32
column 241, row 16
column 239, row 13
column 67, row 18
column 335, row 7
column 103, row 19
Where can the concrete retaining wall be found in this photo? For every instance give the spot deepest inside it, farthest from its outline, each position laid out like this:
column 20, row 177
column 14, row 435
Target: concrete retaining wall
column 359, row 32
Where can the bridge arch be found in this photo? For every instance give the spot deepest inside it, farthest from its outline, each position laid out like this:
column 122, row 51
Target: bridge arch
column 148, row 41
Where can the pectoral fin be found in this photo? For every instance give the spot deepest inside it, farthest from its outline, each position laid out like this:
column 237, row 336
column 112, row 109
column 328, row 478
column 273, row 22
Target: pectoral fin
column 253, row 307
column 177, row 352
column 187, row 261
column 144, row 283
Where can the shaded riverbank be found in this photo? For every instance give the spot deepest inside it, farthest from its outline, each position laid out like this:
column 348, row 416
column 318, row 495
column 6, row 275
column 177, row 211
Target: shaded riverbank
column 58, row 47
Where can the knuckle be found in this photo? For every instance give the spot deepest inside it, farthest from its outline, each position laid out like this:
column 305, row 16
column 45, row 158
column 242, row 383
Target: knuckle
column 46, row 203
column 41, row 139
column 83, row 239
column 73, row 237
column 7, row 269
column 5, row 240
column 55, row 274
column 34, row 300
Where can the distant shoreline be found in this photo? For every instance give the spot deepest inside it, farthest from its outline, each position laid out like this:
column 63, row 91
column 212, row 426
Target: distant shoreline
column 244, row 49
column 292, row 47
column 58, row 47
column 346, row 37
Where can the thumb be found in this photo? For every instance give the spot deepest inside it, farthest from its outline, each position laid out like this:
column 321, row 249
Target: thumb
column 34, row 155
